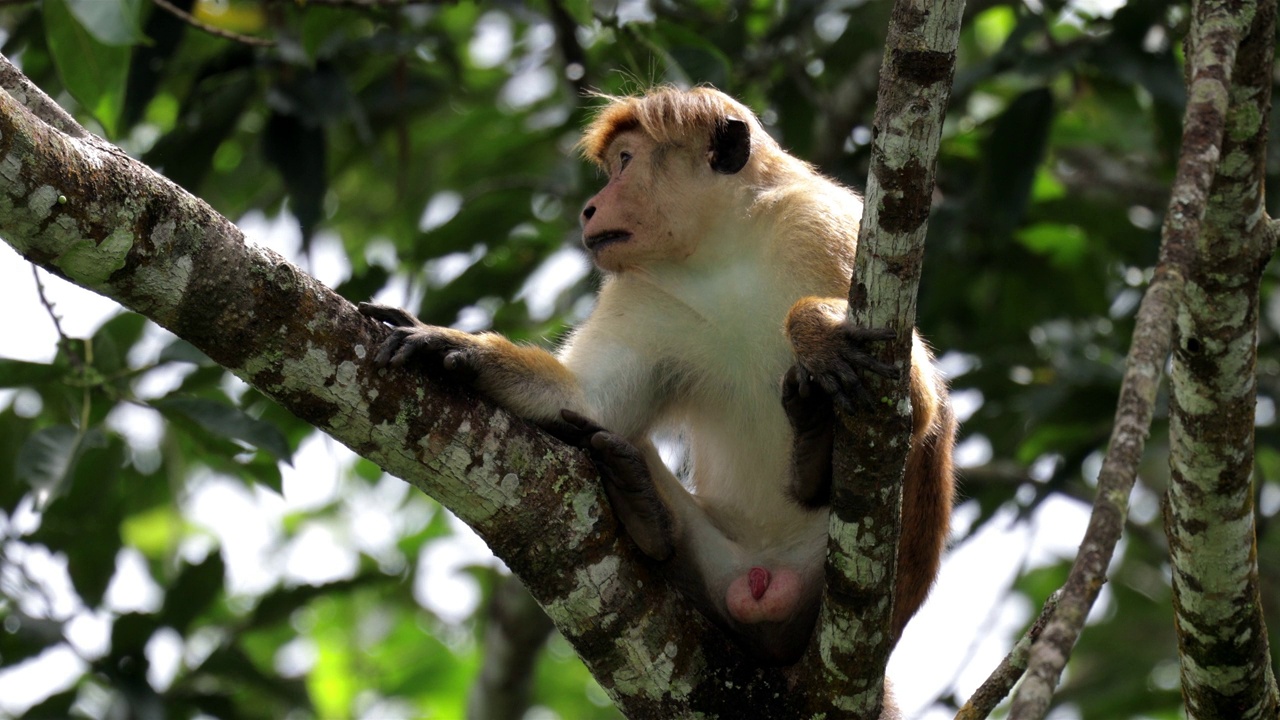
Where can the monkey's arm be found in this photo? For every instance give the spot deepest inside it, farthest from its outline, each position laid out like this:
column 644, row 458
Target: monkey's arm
column 830, row 356
column 607, row 378
column 528, row 381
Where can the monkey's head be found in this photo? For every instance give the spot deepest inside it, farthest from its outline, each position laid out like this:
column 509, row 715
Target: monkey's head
column 680, row 164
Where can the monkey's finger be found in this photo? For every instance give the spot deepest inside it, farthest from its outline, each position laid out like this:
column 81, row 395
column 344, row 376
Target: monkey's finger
column 415, row 345
column 850, row 392
column 859, row 359
column 572, row 428
column 394, row 316
column 790, row 384
column 622, row 457
column 828, row 382
column 582, row 422
column 388, row 350
column 804, row 381
column 460, row 358
column 868, row 335
column 804, row 384
column 851, row 403
column 463, row 363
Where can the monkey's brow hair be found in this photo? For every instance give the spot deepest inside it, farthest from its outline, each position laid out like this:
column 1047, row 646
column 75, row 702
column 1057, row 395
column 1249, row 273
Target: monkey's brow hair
column 664, row 113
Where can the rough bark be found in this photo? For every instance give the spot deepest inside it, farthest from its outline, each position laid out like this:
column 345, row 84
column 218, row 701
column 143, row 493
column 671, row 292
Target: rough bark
column 853, row 641
column 88, row 212
column 1209, row 515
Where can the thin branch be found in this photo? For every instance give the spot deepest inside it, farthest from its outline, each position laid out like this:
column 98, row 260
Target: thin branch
column 63, row 340
column 191, row 20
column 996, row 687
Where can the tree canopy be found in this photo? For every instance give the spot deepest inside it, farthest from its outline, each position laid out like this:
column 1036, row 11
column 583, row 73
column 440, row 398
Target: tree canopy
column 431, row 146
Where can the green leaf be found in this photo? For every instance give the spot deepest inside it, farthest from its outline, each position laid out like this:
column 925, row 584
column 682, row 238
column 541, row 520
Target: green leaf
column 297, row 149
column 1065, row 245
column 280, row 604
column 130, row 633
column 84, row 524
column 195, row 588
column 113, row 341
column 13, row 433
column 15, row 373
column 182, row 351
column 24, row 636
column 153, row 61
column 54, row 706
column 112, row 22
column 94, row 73
column 228, row 422
column 221, row 93
column 264, row 471
column 48, row 456
column 579, row 10
column 1014, row 151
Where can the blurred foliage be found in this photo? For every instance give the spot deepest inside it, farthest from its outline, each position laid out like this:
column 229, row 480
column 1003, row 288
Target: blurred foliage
column 433, row 143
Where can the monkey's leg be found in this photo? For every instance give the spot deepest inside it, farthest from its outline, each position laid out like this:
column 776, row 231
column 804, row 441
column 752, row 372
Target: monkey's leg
column 812, row 425
column 629, row 485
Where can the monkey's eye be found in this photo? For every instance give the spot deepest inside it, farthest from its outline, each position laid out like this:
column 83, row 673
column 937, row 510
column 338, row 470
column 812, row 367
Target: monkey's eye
column 624, row 158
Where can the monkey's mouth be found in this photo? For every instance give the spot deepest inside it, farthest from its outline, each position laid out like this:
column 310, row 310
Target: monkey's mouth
column 595, row 242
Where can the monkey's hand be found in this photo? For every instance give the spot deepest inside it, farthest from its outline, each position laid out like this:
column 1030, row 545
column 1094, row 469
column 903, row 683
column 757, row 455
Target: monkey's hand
column 628, row 483
column 413, row 341
column 833, row 354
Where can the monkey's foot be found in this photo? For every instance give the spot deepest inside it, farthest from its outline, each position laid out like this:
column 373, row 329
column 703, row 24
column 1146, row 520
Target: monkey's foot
column 812, row 425
column 807, row 410
column 627, row 483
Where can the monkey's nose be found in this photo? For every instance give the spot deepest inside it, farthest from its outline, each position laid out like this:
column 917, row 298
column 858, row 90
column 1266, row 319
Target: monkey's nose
column 587, row 212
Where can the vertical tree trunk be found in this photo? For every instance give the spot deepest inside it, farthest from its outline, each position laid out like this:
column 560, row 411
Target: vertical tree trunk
column 1222, row 637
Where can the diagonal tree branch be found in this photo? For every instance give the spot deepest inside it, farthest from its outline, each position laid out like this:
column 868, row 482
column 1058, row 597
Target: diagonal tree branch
column 996, row 687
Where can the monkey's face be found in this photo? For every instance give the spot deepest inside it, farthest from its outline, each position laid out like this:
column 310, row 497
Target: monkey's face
column 658, row 203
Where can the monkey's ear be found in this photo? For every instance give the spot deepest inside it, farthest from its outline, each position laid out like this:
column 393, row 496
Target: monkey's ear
column 730, row 146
